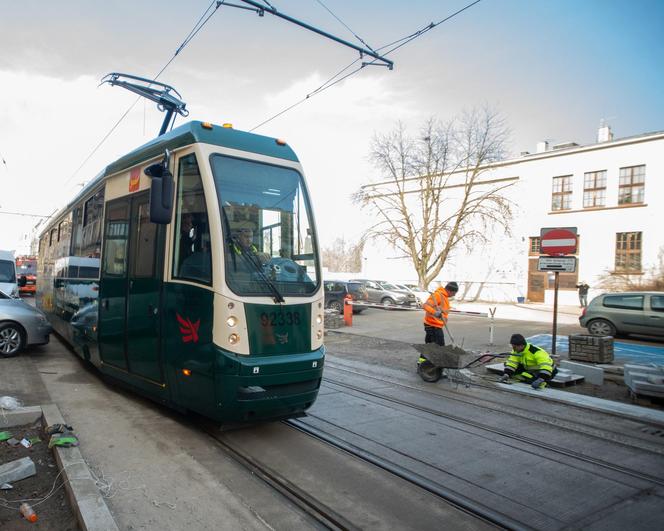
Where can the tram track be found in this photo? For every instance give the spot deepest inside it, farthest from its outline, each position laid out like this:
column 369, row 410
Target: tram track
column 317, row 511
column 519, row 438
column 352, row 506
column 639, row 441
column 278, row 459
column 463, row 503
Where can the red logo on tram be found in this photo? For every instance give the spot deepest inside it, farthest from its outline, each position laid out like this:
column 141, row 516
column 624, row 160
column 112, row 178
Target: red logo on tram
column 188, row 329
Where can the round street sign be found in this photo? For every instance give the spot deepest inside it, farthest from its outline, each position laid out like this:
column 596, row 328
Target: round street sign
column 559, row 241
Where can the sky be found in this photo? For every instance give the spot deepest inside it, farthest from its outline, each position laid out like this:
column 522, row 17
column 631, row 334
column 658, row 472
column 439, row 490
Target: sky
column 554, row 69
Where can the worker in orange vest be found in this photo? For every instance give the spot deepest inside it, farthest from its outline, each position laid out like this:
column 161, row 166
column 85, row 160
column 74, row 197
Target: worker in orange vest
column 436, row 311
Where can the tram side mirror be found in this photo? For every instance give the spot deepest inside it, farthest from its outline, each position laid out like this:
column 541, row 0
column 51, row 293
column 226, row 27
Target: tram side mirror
column 161, row 191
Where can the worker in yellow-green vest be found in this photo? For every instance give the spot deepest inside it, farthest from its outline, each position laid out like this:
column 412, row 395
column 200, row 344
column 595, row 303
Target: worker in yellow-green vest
column 528, row 363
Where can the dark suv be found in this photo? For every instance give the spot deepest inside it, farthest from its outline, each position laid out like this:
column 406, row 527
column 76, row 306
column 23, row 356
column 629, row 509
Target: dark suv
column 336, row 291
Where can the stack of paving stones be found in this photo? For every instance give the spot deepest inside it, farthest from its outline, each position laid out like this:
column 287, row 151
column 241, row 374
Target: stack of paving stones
column 333, row 319
column 591, row 348
column 645, row 380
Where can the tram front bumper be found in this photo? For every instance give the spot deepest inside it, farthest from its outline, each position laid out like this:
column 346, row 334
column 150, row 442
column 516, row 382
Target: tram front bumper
column 268, row 387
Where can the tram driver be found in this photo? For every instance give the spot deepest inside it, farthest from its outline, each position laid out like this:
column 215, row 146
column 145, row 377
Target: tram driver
column 243, row 244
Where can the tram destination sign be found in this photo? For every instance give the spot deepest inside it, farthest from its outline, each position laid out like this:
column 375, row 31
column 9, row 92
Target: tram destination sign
column 562, row 264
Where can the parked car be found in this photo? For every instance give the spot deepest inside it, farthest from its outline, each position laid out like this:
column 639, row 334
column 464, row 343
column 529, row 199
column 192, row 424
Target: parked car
column 633, row 312
column 421, row 295
column 8, row 280
column 20, row 325
column 336, row 291
column 387, row 294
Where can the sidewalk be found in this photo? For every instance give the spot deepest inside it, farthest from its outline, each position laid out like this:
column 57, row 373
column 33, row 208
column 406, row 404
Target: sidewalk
column 534, row 312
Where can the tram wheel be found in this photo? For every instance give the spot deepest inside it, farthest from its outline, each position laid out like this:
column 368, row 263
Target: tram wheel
column 429, row 372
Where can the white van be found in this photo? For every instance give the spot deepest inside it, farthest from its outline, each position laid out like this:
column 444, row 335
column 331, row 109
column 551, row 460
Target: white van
column 8, row 273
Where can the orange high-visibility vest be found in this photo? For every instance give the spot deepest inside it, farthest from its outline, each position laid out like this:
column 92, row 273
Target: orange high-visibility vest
column 438, row 300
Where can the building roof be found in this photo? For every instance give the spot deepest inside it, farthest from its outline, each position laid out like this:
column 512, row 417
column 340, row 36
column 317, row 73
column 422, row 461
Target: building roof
column 573, row 147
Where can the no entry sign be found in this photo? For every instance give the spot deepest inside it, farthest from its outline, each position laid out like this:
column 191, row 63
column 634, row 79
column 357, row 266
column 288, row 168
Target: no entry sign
column 558, row 241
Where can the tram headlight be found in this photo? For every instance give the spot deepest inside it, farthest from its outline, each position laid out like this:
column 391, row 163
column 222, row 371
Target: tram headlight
column 319, row 319
column 319, row 334
column 233, row 339
column 231, row 321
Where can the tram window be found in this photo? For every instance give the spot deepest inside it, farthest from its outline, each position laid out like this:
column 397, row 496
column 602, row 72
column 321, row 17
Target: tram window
column 117, row 234
column 145, row 243
column 192, row 259
column 91, row 231
column 77, row 231
column 270, row 202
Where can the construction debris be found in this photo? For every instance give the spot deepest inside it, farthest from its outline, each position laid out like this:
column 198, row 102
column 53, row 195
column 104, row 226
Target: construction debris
column 17, row 470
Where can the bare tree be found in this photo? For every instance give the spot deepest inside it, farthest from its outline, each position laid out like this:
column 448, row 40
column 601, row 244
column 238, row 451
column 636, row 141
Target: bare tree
column 343, row 256
column 434, row 198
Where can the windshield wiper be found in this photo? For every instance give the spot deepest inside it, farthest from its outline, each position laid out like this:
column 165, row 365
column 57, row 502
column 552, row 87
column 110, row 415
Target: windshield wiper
column 278, row 297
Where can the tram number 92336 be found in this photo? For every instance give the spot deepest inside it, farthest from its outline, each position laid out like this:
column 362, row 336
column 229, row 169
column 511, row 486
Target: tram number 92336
column 279, row 319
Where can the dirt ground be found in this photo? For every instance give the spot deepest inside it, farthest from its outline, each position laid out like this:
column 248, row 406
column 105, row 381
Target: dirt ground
column 50, row 503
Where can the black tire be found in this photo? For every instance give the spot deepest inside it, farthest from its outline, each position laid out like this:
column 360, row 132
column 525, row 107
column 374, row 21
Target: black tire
column 601, row 327
column 387, row 301
column 358, row 311
column 12, row 339
column 429, row 372
column 336, row 305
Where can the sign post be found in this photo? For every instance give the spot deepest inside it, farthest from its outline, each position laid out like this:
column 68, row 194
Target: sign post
column 556, row 243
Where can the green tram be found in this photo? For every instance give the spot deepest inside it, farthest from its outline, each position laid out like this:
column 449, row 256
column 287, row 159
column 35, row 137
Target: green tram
column 146, row 275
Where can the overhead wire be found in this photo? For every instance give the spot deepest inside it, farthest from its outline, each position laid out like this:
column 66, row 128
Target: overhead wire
column 204, row 18
column 345, row 25
column 333, row 81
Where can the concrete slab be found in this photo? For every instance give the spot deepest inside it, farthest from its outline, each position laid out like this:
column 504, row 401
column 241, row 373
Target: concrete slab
column 599, row 404
column 646, row 380
column 87, row 502
column 17, row 470
column 20, row 416
column 592, row 374
column 564, row 376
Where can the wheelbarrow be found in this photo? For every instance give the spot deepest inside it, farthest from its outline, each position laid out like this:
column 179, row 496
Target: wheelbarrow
column 437, row 358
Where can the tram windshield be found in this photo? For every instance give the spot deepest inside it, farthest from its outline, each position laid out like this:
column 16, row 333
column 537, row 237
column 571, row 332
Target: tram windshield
column 268, row 231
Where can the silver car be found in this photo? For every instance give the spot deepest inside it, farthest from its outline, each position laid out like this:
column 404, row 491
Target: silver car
column 632, row 312
column 20, row 325
column 381, row 292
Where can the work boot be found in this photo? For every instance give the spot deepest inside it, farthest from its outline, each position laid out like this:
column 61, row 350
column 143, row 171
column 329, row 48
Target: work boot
column 538, row 383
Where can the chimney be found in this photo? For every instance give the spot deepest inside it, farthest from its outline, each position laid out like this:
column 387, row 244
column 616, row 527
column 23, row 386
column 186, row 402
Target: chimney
column 542, row 146
column 604, row 133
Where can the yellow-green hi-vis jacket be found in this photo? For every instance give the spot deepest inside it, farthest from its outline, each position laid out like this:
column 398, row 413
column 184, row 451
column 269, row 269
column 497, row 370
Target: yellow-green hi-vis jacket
column 532, row 358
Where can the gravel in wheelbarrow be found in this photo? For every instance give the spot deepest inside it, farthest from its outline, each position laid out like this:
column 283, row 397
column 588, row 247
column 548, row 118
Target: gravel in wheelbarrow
column 448, row 356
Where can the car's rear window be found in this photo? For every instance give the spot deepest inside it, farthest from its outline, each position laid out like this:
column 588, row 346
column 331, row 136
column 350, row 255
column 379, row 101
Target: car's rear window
column 624, row 302
column 355, row 286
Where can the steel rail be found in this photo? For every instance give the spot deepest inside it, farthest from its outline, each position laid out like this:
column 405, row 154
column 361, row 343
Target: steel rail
column 503, row 433
column 319, row 512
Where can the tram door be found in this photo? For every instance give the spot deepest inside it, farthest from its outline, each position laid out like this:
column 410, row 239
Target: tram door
column 131, row 278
